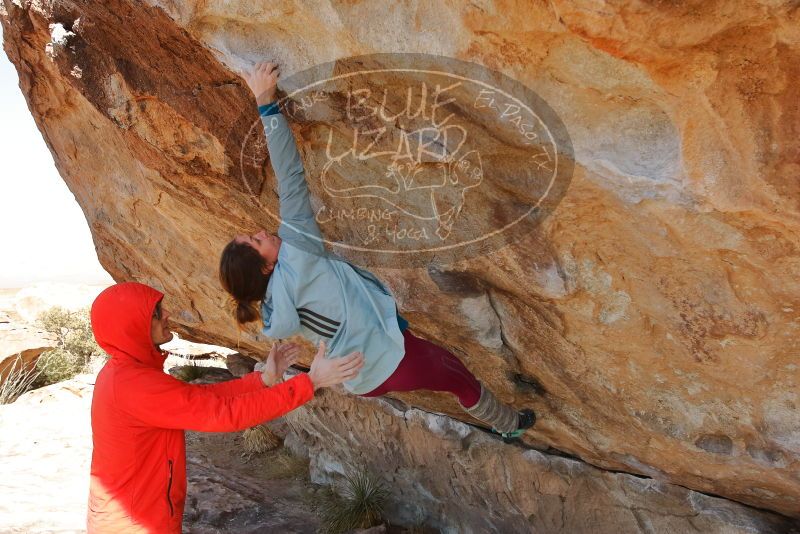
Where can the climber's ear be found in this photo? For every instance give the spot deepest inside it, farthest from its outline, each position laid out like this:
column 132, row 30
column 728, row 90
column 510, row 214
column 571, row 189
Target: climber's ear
column 267, row 268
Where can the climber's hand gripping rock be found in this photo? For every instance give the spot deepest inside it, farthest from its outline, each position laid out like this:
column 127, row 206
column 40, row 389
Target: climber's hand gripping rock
column 262, row 79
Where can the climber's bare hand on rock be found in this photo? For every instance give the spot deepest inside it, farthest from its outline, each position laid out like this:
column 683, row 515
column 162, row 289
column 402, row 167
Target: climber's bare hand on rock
column 262, row 79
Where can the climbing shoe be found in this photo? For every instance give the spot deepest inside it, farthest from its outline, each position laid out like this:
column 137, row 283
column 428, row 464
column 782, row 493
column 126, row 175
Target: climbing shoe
column 526, row 418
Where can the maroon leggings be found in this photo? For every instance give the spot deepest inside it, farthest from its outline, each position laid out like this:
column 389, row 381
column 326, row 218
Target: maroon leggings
column 429, row 366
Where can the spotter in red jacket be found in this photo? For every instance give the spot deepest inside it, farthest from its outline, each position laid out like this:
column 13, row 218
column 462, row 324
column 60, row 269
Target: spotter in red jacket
column 139, row 414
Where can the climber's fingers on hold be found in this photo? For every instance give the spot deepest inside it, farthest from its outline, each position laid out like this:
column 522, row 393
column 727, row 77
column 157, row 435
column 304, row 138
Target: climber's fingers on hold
column 266, row 67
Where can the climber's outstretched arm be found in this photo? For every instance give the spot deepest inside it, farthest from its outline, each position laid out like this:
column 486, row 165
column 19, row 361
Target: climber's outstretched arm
column 298, row 225
column 297, row 217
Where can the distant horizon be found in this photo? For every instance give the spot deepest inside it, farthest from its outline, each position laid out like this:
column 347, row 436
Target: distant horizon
column 70, row 283
column 50, row 240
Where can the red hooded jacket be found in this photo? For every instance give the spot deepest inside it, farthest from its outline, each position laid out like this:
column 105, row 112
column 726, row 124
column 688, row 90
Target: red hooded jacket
column 139, row 413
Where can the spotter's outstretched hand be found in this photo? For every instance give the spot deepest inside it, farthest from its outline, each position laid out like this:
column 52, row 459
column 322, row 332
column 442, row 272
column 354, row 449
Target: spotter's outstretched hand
column 280, row 358
column 326, row 372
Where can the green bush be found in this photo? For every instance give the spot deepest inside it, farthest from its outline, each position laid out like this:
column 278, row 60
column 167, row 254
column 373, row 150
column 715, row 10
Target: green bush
column 75, row 345
column 57, row 365
column 359, row 506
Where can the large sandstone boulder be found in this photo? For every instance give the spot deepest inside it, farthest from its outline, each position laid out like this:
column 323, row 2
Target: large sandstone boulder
column 464, row 480
column 650, row 318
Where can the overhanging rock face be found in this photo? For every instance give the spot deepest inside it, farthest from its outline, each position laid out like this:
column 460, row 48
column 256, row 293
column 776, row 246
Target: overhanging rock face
column 651, row 318
column 444, row 473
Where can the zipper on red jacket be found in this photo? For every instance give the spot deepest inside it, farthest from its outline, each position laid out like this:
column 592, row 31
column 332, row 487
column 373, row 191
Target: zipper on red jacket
column 169, row 487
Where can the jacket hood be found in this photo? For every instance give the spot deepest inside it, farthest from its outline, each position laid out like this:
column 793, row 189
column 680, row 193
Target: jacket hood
column 121, row 316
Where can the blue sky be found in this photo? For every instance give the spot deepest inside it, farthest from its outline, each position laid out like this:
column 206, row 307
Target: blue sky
column 43, row 233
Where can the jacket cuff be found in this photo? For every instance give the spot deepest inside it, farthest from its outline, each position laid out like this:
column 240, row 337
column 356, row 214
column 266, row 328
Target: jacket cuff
column 269, row 109
column 304, row 385
column 253, row 378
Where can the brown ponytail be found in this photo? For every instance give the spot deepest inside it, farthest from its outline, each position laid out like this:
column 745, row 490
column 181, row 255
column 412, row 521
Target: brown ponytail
column 240, row 273
column 246, row 312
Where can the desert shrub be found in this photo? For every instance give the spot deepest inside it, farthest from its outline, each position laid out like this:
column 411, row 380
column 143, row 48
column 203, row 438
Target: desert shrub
column 19, row 378
column 75, row 345
column 57, row 365
column 360, row 504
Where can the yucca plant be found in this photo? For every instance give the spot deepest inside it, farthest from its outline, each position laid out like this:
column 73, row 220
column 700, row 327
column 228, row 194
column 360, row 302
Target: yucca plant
column 19, row 379
column 360, row 504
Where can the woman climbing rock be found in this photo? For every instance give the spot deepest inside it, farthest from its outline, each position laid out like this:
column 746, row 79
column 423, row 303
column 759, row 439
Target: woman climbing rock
column 294, row 286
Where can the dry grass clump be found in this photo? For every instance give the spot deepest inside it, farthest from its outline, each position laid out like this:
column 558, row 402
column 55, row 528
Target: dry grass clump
column 18, row 380
column 257, row 440
column 284, row 465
